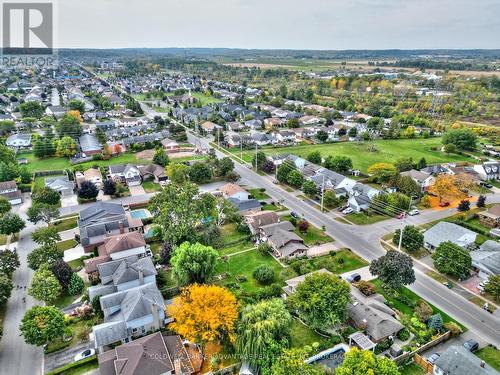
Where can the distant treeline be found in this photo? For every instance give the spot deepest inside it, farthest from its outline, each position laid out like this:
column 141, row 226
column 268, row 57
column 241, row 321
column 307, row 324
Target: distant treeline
column 436, row 64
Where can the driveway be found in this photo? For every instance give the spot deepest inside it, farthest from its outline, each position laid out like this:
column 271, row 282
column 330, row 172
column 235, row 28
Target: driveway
column 74, row 253
column 136, row 190
column 322, row 249
column 455, row 341
column 364, row 272
column 63, row 357
column 72, row 200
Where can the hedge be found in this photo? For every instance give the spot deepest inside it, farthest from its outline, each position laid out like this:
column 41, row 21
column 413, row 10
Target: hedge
column 74, row 365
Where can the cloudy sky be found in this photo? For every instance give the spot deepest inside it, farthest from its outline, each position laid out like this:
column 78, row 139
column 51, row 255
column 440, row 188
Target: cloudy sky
column 293, row 24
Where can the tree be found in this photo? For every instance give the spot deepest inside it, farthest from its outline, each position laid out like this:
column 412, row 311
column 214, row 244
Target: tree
column 293, row 362
column 66, row 147
column 435, row 322
column 232, row 177
column 4, row 206
column 63, row 272
column 46, row 195
column 42, row 324
column 404, row 164
column 395, row 269
column 31, row 109
column 422, row 163
column 309, row 188
column 493, row 286
column 382, row 172
column 464, row 205
column 45, row 286
column 260, row 158
column 462, row 139
column 451, row 186
column 365, row 362
column 109, row 187
column 481, row 201
column 412, row 239
column 11, row 223
column 341, row 164
column 160, row 157
column 76, row 105
column 5, row 287
column 76, row 284
column 295, row 179
column 177, row 173
column 284, row 170
column 178, row 209
column 9, row 261
column 200, row 173
column 452, row 260
column 42, row 212
column 44, row 255
column 423, row 310
column 46, row 236
column 314, row 157
column 69, row 125
column 322, row 136
column 193, row 263
column 165, row 253
column 450, row 148
column 88, row 190
column 268, row 167
column 303, row 226
column 226, row 165
column 204, row 313
column 321, row 300
column 330, row 200
column 353, row 132
column 263, row 332
column 264, row 274
column 405, row 185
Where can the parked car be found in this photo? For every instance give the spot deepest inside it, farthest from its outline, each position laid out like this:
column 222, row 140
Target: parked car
column 85, row 354
column 444, row 204
column 348, row 210
column 414, row 212
column 353, row 278
column 342, row 208
column 294, row 214
column 486, row 185
column 275, row 182
column 471, row 345
column 402, row 215
column 433, row 358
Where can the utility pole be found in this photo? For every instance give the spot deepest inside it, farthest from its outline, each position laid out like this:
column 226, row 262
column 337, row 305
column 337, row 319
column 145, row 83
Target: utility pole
column 256, row 146
column 241, row 148
column 402, row 220
column 322, row 193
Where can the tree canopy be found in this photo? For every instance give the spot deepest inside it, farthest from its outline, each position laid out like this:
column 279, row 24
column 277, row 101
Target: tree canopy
column 452, row 260
column 365, row 362
column 42, row 324
column 394, row 269
column 193, row 263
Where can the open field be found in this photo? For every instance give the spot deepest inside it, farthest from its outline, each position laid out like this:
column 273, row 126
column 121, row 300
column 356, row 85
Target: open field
column 362, row 157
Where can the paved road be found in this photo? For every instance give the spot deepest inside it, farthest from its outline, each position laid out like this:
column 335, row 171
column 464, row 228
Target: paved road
column 365, row 242
column 17, row 357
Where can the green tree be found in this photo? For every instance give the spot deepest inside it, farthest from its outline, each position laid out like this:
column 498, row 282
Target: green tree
column 309, row 188
column 200, row 173
column 226, row 165
column 177, row 173
column 44, row 255
column 69, row 125
column 76, row 105
column 322, row 136
column 11, row 223
column 193, row 263
column 264, row 274
column 341, row 164
column 464, row 205
column 463, row 139
column 5, row 288
column 45, row 286
column 412, row 239
column 46, row 236
column 330, row 200
column 4, row 206
column 46, row 195
column 42, row 212
column 42, row 324
column 31, row 109
column 452, row 260
column 295, row 179
column 422, row 163
column 493, row 286
column 404, row 164
column 365, row 362
column 321, row 300
column 314, row 157
column 284, row 170
column 395, row 269
column 76, row 284
column 160, row 157
column 9, row 261
column 481, row 201
column 293, row 362
column 66, row 147
column 88, row 190
column 260, row 158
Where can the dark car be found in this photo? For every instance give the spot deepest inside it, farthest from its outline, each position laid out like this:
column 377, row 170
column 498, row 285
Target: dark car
column 444, row 204
column 353, row 278
column 433, row 358
column 471, row 345
column 294, row 215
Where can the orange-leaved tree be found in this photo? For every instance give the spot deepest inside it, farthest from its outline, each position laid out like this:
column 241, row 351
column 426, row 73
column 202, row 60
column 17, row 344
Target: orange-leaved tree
column 452, row 186
column 204, row 313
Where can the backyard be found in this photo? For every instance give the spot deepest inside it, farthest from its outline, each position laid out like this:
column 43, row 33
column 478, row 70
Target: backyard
column 491, row 356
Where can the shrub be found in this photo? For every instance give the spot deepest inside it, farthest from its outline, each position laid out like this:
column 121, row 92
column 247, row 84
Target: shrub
column 382, row 346
column 423, row 310
column 453, row 327
column 303, row 226
column 435, row 322
column 264, row 274
column 404, row 334
column 264, row 248
column 366, row 287
column 76, row 285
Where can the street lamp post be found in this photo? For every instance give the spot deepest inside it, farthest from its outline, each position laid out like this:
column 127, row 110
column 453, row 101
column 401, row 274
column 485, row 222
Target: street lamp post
column 402, row 221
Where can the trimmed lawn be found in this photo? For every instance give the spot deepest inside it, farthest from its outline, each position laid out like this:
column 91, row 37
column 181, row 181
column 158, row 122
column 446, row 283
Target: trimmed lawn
column 78, row 368
column 65, row 300
column 343, row 261
column 77, row 264
column 204, row 99
column 81, row 329
column 360, row 218
column 257, row 194
column 151, row 186
column 65, row 245
column 302, row 335
column 314, row 236
column 165, row 279
column 273, row 207
column 241, row 246
column 66, row 224
column 230, row 235
column 3, row 239
column 411, row 369
column 490, row 355
column 386, row 151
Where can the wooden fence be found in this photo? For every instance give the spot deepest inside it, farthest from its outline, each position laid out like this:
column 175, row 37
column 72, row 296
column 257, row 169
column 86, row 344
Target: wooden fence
column 422, row 362
column 403, row 357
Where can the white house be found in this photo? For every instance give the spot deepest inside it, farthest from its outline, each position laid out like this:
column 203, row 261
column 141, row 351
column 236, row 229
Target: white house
column 128, row 173
column 444, row 231
column 19, row 140
column 234, row 191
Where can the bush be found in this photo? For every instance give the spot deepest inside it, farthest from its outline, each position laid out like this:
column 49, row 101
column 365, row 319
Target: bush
column 383, row 346
column 366, row 287
column 435, row 322
column 453, row 327
column 76, row 285
column 423, row 310
column 264, row 274
column 264, row 248
column 404, row 334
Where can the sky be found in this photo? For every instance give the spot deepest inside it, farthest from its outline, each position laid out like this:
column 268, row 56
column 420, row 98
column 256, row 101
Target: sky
column 279, row 24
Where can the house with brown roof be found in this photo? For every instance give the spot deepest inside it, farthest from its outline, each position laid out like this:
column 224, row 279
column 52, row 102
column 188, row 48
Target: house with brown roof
column 9, row 190
column 92, row 175
column 154, row 354
column 490, row 217
column 170, row 145
column 286, row 244
column 274, row 122
column 210, row 127
column 255, row 220
column 153, row 172
column 234, row 191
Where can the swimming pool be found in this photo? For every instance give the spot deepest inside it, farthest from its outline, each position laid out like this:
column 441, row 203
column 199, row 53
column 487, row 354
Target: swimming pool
column 140, row 214
column 330, row 358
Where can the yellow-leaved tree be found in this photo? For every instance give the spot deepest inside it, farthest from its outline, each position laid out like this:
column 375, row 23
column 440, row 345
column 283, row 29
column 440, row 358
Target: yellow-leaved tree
column 452, row 186
column 204, row 313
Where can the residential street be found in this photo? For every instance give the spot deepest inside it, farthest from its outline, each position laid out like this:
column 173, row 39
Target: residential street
column 365, row 242
column 16, row 357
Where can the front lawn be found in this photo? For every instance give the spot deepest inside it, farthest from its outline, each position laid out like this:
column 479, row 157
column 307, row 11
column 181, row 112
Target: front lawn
column 411, row 369
column 65, row 245
column 65, row 300
column 361, row 218
column 236, row 248
column 313, row 236
column 81, row 330
column 273, row 207
column 490, row 355
column 230, row 235
column 337, row 262
column 65, row 224
column 258, row 194
column 76, row 264
column 151, row 186
column 77, row 368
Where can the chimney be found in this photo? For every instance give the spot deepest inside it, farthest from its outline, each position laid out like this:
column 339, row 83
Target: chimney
column 141, row 276
column 121, row 227
column 156, row 316
column 482, row 364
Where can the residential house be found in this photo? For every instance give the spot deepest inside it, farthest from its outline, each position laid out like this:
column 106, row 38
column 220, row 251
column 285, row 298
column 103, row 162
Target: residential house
column 125, row 173
column 246, row 206
column 256, row 220
column 437, row 170
column 102, row 220
column 286, row 244
column 444, row 231
column 61, row 184
column 263, row 139
column 486, row 260
column 457, row 360
column 490, row 217
column 19, row 140
column 122, row 274
column 170, row 145
column 310, row 120
column 274, row 122
column 285, row 136
column 9, row 190
column 154, row 354
column 210, row 127
column 92, row 175
column 422, row 179
column 153, row 172
column 265, row 232
column 234, row 191
column 489, row 170
column 89, row 144
column 129, row 313
column 116, row 247
column 56, row 110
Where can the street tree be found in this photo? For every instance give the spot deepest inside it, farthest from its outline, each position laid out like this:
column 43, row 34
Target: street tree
column 309, row 188
column 200, row 173
column 63, row 272
column 44, row 255
column 46, row 236
column 295, row 179
column 45, row 286
column 46, row 195
column 395, row 269
column 42, row 324
column 177, row 173
column 452, row 260
column 464, row 205
column 9, row 261
column 481, row 201
column 493, row 286
column 413, row 238
column 42, row 212
column 226, row 165
column 193, row 263
column 5, row 287
column 11, row 223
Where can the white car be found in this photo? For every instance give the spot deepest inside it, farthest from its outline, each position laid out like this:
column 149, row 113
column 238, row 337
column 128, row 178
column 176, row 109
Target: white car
column 414, row 212
column 85, row 354
column 348, row 210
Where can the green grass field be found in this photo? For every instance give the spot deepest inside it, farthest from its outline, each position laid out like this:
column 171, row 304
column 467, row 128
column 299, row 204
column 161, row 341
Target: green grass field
column 491, row 356
column 302, row 335
column 205, row 99
column 362, row 157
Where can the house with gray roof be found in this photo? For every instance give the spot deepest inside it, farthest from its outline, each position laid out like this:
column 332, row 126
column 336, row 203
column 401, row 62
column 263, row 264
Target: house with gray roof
column 126, row 173
column 19, row 140
column 61, row 184
column 246, row 205
column 286, row 244
column 89, row 144
column 456, row 360
column 444, row 232
column 129, row 313
column 486, row 260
